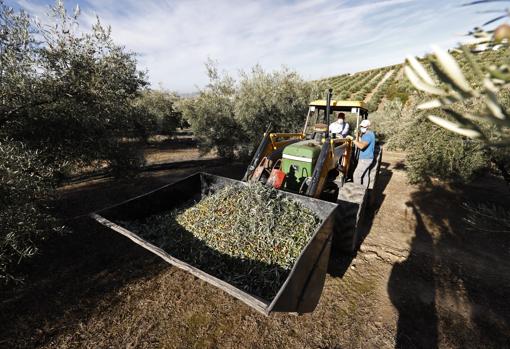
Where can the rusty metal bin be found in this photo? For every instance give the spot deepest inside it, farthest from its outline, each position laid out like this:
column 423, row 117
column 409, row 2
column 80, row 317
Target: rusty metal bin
column 301, row 291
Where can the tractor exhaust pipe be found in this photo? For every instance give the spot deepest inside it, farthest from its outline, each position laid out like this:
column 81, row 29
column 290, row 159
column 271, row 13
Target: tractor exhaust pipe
column 328, row 109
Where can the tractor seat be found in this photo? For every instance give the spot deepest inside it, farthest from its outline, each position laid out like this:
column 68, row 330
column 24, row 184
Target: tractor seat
column 320, row 131
column 320, row 128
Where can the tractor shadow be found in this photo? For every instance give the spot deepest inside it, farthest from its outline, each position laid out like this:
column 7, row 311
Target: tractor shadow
column 340, row 261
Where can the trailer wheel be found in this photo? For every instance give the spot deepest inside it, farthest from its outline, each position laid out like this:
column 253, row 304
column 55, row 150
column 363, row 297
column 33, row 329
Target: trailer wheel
column 351, row 202
column 330, row 192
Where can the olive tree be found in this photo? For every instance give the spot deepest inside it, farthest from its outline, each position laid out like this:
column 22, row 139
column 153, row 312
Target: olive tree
column 26, row 186
column 66, row 101
column 230, row 116
column 67, row 93
column 158, row 112
column 211, row 114
column 279, row 98
column 432, row 152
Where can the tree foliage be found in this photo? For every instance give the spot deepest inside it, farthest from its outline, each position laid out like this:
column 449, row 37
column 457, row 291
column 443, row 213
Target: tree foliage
column 66, row 101
column 231, row 116
column 477, row 111
column 387, row 120
column 158, row 113
column 432, row 152
column 67, row 93
column 26, row 186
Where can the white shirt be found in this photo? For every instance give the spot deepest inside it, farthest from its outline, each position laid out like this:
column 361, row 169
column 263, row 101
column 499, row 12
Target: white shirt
column 339, row 128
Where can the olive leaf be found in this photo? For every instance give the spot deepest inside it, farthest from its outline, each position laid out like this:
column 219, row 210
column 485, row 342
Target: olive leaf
column 448, row 72
column 452, row 69
column 463, row 121
column 454, row 127
column 435, row 103
column 491, row 99
column 420, row 70
column 420, row 84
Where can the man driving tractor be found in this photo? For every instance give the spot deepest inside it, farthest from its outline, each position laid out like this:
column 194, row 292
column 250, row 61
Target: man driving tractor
column 340, row 127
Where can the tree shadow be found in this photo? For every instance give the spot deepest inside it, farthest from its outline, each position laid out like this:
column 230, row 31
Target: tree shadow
column 472, row 263
column 172, row 143
column 341, row 260
column 66, row 282
column 400, row 165
column 77, row 272
column 455, row 284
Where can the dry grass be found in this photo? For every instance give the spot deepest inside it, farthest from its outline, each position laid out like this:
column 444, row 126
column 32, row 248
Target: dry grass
column 175, row 310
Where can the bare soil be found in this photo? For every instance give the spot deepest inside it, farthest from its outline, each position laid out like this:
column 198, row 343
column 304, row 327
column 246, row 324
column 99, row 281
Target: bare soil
column 420, row 280
column 181, row 149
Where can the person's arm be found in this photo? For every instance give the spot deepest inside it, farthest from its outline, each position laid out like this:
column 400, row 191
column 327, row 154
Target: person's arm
column 364, row 143
column 361, row 144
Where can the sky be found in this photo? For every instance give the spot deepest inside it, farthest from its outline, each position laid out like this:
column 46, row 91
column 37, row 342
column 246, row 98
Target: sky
column 319, row 38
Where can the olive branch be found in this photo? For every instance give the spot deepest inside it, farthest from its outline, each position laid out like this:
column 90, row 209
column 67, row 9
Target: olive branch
column 453, row 87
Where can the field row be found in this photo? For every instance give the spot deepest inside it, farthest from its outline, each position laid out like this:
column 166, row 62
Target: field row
column 369, row 86
column 360, row 86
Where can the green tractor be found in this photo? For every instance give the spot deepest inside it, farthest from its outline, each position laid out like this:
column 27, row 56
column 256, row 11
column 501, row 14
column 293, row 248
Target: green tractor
column 318, row 164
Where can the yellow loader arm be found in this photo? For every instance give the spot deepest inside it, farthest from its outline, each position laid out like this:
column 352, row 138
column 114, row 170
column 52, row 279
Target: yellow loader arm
column 271, row 143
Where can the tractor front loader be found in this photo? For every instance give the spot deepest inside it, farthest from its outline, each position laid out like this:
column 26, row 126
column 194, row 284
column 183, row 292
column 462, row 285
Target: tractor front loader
column 318, row 164
column 311, row 167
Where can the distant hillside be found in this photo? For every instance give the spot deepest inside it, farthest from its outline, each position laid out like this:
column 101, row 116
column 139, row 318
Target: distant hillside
column 376, row 85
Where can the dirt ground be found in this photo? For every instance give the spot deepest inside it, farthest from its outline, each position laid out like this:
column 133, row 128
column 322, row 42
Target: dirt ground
column 181, row 149
column 420, row 280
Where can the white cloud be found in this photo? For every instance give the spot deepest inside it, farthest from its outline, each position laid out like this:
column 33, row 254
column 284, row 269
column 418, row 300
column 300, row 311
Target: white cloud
column 317, row 38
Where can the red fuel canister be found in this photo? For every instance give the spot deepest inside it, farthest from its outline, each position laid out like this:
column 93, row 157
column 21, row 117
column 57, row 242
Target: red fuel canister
column 276, row 178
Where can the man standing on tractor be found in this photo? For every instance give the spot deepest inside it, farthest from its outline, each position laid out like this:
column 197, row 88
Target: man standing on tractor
column 340, row 127
column 366, row 145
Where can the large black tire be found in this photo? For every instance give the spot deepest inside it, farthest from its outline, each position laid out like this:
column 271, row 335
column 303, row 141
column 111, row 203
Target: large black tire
column 351, row 205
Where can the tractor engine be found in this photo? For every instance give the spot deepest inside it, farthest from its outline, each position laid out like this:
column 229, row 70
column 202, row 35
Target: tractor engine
column 298, row 162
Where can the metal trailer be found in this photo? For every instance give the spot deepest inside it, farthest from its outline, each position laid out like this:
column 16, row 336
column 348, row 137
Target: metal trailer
column 301, row 291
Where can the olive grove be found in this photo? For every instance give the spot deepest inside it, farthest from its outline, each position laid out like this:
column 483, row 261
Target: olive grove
column 231, row 116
